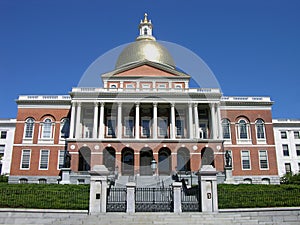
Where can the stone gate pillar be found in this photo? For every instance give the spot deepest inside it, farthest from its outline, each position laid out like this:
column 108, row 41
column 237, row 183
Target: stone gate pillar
column 208, row 189
column 130, row 197
column 177, row 196
column 98, row 189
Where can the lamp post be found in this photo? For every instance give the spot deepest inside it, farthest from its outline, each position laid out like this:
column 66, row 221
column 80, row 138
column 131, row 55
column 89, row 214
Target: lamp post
column 153, row 166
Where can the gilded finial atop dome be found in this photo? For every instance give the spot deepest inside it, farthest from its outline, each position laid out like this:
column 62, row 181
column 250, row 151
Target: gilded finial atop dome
column 145, row 18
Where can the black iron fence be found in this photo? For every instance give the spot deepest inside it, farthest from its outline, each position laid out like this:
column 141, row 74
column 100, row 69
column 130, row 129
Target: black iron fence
column 190, row 199
column 13, row 198
column 153, row 200
column 116, row 200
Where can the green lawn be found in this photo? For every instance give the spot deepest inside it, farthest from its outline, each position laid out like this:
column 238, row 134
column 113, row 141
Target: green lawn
column 253, row 195
column 54, row 196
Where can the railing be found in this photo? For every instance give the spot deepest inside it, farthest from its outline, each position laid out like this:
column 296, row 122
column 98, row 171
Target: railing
column 185, row 90
column 12, row 198
column 190, row 199
column 116, row 200
column 153, row 200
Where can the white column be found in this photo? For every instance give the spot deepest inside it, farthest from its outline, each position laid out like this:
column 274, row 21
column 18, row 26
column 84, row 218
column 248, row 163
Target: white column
column 197, row 135
column 173, row 135
column 72, row 119
column 154, row 120
column 137, row 120
column 213, row 120
column 95, row 124
column 101, row 123
column 190, row 121
column 119, row 120
column 219, row 124
column 78, row 121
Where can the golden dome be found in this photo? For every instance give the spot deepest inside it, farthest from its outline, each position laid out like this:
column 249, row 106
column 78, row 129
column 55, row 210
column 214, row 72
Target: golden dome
column 145, row 50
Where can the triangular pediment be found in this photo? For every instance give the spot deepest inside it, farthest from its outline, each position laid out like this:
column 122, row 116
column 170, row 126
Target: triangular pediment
column 146, row 69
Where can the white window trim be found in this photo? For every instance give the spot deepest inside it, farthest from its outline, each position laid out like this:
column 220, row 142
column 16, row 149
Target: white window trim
column 248, row 128
column 249, row 159
column 146, row 86
column 41, row 159
column 58, row 158
column 129, row 85
column 127, row 118
column 163, row 118
column 41, row 131
column 259, row 158
column 113, row 84
column 149, row 120
column 261, row 140
column 178, row 86
column 227, row 140
column 112, row 118
column 21, row 162
column 28, row 139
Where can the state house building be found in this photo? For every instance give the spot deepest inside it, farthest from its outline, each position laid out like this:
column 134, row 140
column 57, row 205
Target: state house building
column 145, row 120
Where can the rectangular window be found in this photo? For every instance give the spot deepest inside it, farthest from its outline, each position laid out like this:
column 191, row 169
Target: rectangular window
column 298, row 167
column 44, row 159
column 203, row 130
column 179, row 127
column 129, row 125
column 287, row 168
column 129, row 86
column 298, row 150
column 61, row 159
column 263, row 159
column 2, row 148
column 145, row 86
column 246, row 160
column 163, row 127
column 285, row 149
column 283, row 135
column 110, row 127
column 146, row 128
column 3, row 134
column 296, row 135
column 162, row 86
column 25, row 161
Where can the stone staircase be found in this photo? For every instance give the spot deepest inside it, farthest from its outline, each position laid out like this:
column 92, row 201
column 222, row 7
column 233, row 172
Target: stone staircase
column 224, row 217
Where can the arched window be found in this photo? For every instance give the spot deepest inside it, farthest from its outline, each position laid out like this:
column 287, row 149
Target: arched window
column 29, row 127
column 64, row 128
column 183, row 160
column 47, row 128
column 23, row 181
column 260, row 129
column 145, row 31
column 243, row 129
column 247, row 181
column 226, row 128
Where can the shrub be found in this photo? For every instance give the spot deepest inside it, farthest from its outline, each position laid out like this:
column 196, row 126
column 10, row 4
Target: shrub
column 3, row 179
column 290, row 179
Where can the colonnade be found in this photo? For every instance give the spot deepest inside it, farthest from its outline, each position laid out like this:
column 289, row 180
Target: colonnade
column 99, row 125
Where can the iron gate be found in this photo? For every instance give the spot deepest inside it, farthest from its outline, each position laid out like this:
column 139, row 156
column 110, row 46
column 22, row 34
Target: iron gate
column 190, row 199
column 153, row 200
column 116, row 200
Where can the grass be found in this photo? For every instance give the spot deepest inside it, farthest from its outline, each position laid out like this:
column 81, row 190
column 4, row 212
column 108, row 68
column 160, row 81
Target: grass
column 44, row 196
column 54, row 196
column 252, row 196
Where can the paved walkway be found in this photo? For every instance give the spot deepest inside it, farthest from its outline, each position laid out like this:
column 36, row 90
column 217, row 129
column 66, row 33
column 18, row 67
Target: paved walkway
column 68, row 217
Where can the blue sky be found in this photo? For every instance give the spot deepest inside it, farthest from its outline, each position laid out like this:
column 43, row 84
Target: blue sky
column 252, row 47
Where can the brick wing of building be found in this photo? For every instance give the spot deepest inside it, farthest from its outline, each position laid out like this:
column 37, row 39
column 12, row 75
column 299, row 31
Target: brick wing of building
column 145, row 120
